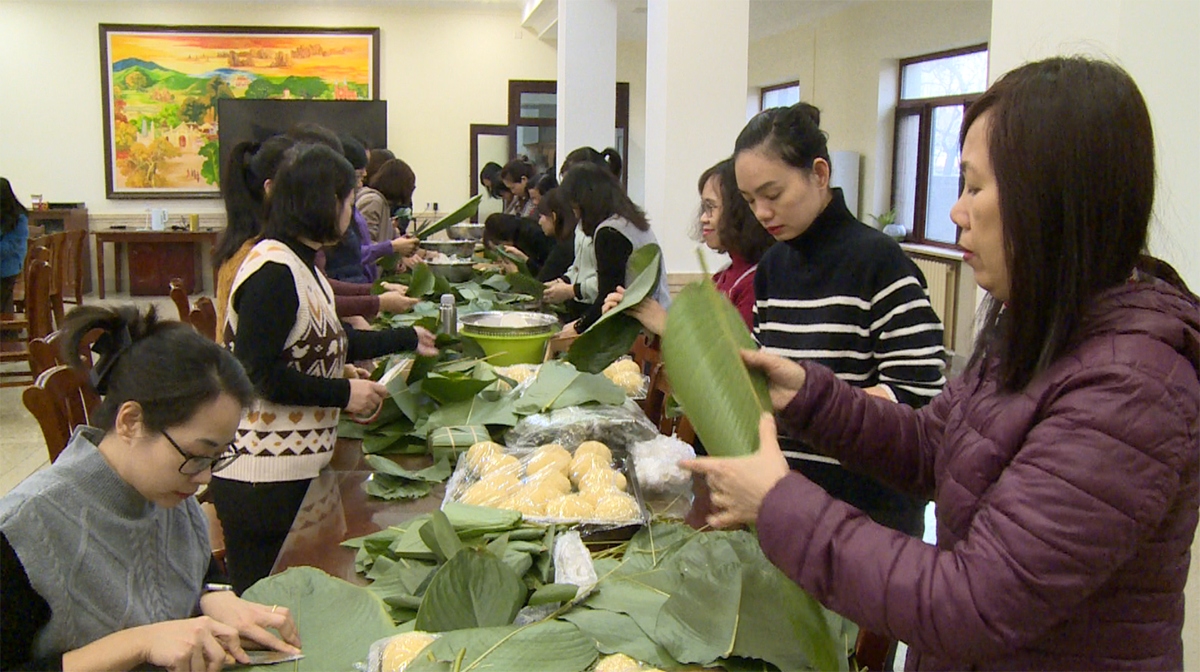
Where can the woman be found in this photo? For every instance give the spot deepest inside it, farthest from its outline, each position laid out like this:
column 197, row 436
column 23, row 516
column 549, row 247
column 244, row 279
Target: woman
column 609, row 159
column 283, row 328
column 617, row 227
column 835, row 291
column 726, row 224
column 518, row 176
column 396, row 182
column 105, row 553
column 520, row 237
column 544, row 184
column 355, row 257
column 1064, row 461
column 14, row 235
column 248, row 179
column 558, row 223
column 372, row 204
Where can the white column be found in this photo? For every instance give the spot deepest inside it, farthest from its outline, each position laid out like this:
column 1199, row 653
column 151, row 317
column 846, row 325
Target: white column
column 587, row 75
column 697, row 54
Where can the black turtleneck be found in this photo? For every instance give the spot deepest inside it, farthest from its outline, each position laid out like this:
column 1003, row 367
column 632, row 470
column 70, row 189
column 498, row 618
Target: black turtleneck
column 266, row 303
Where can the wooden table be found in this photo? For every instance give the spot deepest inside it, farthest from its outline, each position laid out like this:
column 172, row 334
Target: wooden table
column 122, row 237
column 337, row 508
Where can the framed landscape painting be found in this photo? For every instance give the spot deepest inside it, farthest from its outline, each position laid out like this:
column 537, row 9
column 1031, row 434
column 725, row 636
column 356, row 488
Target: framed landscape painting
column 161, row 85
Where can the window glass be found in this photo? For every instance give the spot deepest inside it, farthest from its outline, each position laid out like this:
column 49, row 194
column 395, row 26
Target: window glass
column 943, row 174
column 784, row 97
column 908, row 135
column 950, row 76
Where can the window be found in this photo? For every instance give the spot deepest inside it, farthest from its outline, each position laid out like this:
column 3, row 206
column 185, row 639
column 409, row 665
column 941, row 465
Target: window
column 780, row 95
column 935, row 91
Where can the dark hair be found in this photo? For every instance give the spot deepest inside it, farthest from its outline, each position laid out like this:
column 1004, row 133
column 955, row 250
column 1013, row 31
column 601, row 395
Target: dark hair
column 1072, row 150
column 501, row 229
column 243, row 181
column 609, row 158
column 309, row 132
column 491, row 173
column 396, row 181
column 791, row 133
column 354, row 152
column 308, row 192
column 597, row 194
column 545, row 183
column 10, row 208
column 518, row 169
column 554, row 205
column 168, row 368
column 375, row 161
column 739, row 230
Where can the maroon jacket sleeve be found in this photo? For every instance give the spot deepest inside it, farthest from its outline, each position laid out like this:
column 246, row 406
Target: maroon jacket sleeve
column 742, row 298
column 1090, row 482
column 354, row 298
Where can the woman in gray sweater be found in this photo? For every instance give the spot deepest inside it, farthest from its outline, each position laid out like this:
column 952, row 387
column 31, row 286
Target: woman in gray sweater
column 105, row 556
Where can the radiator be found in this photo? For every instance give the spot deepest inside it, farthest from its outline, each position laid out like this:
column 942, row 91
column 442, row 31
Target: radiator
column 941, row 277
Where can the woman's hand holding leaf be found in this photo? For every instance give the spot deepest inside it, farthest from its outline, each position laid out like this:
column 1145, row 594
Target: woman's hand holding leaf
column 785, row 378
column 569, row 331
column 251, row 620
column 649, row 312
column 738, row 485
column 365, row 396
column 558, row 291
column 613, row 299
column 404, row 245
column 516, row 252
column 426, row 342
column 394, row 287
column 396, row 302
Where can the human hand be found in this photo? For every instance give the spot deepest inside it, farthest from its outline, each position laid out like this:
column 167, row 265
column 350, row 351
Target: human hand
column 785, row 378
column 397, row 302
column 251, row 620
column 350, row 372
column 405, row 245
column 192, row 645
column 516, row 253
column 358, row 322
column 426, row 342
column 365, row 396
column 738, row 485
column 395, row 287
column 613, row 299
column 558, row 291
column 652, row 316
column 569, row 331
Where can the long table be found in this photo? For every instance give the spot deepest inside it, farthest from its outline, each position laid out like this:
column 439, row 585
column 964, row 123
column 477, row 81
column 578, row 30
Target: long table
column 123, row 237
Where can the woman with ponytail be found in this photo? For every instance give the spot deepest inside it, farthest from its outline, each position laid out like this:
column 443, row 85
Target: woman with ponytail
column 105, row 554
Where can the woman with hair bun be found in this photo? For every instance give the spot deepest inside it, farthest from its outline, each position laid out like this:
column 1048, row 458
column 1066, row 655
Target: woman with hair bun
column 609, row 159
column 105, row 553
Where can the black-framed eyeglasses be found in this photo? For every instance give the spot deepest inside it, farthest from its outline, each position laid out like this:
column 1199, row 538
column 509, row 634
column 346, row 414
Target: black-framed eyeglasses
column 195, row 464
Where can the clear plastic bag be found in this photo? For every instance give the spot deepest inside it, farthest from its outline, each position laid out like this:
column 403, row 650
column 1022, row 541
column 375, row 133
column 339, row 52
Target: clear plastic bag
column 613, row 425
column 628, row 375
column 408, row 645
column 666, row 488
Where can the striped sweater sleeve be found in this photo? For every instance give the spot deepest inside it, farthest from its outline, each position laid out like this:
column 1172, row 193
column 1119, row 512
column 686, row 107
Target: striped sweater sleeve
column 907, row 336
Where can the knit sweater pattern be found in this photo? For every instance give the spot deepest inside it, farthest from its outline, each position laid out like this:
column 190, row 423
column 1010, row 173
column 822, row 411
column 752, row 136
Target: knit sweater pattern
column 280, row 442
column 103, row 557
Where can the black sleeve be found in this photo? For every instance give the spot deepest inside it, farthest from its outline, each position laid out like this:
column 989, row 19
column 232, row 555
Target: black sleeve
column 535, row 244
column 371, row 344
column 25, row 612
column 612, row 257
column 266, row 304
column 558, row 261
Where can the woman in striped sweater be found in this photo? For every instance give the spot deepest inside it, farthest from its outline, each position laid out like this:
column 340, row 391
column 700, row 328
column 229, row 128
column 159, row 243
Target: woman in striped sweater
column 837, row 292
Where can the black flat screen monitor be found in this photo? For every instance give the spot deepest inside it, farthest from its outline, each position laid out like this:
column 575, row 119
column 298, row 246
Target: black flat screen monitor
column 259, row 119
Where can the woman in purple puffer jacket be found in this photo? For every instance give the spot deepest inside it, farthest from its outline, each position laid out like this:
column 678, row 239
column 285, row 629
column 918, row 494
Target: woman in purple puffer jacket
column 1065, row 463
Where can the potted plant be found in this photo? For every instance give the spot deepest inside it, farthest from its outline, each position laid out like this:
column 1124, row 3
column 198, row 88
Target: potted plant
column 887, row 224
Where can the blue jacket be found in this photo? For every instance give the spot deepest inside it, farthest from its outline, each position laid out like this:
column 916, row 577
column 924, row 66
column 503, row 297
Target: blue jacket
column 12, row 248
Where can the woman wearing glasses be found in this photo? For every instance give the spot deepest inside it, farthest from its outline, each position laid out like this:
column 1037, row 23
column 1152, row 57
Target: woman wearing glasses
column 105, row 555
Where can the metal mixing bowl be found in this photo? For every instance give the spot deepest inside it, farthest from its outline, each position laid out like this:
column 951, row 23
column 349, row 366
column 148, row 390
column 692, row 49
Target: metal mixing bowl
column 463, row 249
column 453, row 271
column 466, row 231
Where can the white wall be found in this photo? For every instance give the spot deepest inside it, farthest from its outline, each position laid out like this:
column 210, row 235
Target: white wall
column 631, row 68
column 441, row 70
column 846, row 65
column 1156, row 41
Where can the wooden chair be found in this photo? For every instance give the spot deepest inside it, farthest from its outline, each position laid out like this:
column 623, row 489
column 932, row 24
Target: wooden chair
column 74, row 260
column 57, row 245
column 46, row 352
column 179, row 296
column 60, row 399
column 647, row 352
column 35, row 322
column 31, row 254
column 656, row 408
column 203, row 318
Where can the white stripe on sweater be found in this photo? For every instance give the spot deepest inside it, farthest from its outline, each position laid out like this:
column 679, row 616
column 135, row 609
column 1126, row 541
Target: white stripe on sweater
column 899, row 310
column 902, row 282
column 820, row 328
column 913, row 352
column 839, row 300
column 911, row 362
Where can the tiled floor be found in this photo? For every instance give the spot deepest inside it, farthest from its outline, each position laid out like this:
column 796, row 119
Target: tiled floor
column 22, row 448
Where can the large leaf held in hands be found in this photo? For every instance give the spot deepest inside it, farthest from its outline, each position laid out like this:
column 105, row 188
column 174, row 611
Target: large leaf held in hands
column 613, row 334
column 701, row 351
column 338, row 621
column 464, row 211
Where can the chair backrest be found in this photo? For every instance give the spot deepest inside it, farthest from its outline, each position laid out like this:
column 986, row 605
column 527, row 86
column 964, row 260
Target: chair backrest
column 46, row 352
column 656, row 408
column 56, row 244
column 204, row 318
column 73, row 263
column 60, row 399
column 180, row 297
column 37, row 298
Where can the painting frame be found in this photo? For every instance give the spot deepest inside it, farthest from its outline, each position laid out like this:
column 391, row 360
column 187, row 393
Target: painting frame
column 114, row 186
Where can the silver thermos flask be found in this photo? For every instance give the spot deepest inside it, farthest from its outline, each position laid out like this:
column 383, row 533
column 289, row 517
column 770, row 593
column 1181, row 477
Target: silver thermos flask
column 448, row 316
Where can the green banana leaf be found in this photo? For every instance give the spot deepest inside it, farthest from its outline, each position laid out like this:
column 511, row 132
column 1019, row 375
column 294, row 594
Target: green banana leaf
column 526, row 284
column 462, row 214
column 545, row 646
column 422, row 281
column 338, row 621
column 701, row 351
column 382, row 486
column 559, row 385
column 615, row 632
column 473, row 589
column 613, row 334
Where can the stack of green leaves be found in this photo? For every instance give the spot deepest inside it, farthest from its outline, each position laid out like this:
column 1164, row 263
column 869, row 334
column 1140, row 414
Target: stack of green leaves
column 391, row 481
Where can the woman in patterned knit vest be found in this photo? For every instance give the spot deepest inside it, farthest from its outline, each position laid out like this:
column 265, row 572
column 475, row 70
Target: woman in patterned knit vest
column 282, row 326
column 105, row 554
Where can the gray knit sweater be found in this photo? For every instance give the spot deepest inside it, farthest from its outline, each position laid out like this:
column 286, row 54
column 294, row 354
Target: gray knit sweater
column 103, row 557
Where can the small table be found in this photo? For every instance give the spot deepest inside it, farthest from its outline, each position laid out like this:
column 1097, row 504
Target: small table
column 120, row 237
column 337, row 508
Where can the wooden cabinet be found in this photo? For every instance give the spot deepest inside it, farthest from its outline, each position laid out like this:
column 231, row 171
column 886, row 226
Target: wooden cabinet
column 75, row 218
column 153, row 265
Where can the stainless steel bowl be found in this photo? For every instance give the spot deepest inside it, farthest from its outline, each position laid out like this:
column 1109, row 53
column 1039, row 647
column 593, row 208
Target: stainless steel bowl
column 515, row 323
column 463, row 249
column 453, row 271
column 466, row 231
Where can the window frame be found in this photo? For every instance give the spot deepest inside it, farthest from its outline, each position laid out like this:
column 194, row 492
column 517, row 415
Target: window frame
column 762, row 92
column 923, row 109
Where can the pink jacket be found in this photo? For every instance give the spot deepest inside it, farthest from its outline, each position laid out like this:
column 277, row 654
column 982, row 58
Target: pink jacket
column 1066, row 512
